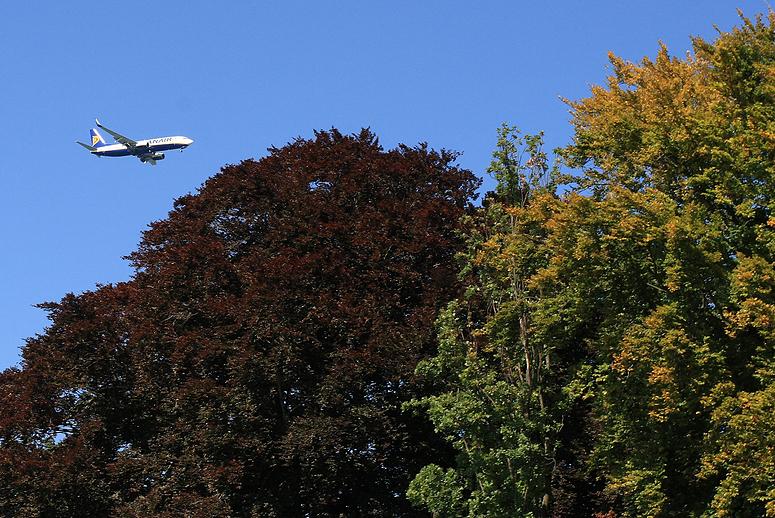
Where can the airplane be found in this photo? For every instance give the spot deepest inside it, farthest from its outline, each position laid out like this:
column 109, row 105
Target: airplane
column 146, row 150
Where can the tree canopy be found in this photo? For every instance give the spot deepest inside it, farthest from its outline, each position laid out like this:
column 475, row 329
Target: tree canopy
column 612, row 353
column 257, row 361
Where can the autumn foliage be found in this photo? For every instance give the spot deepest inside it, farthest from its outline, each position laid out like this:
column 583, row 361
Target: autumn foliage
column 335, row 330
column 612, row 352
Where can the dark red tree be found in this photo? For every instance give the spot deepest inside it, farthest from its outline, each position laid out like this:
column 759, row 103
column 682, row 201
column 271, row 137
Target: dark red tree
column 257, row 361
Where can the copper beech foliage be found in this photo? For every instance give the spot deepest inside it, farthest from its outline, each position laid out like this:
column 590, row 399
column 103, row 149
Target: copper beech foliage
column 256, row 363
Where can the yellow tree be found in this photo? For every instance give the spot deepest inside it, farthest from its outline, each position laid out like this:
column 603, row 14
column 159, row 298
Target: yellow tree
column 684, row 362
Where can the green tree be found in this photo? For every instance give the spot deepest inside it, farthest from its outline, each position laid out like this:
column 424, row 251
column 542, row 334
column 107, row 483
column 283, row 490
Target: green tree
column 503, row 408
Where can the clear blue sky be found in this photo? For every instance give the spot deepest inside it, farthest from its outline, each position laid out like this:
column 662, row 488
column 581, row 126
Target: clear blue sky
column 238, row 77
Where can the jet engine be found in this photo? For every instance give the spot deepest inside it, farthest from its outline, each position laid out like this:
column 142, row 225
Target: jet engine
column 152, row 158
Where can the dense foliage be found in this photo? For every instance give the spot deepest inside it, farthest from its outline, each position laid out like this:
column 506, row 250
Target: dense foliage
column 257, row 362
column 613, row 351
column 604, row 341
column 683, row 152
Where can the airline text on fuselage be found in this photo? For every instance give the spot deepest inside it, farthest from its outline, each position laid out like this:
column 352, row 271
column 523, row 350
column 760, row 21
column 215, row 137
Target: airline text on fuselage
column 160, row 140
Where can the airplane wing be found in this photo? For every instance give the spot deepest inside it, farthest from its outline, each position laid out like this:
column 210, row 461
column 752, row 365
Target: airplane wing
column 128, row 142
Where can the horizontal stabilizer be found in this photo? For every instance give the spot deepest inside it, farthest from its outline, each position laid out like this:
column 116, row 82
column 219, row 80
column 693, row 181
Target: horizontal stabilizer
column 87, row 146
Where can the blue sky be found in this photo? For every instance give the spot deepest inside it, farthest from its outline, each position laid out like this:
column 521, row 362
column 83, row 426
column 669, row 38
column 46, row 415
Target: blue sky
column 238, row 77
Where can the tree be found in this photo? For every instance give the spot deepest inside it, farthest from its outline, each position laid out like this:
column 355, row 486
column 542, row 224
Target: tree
column 649, row 287
column 257, row 361
column 681, row 151
column 506, row 396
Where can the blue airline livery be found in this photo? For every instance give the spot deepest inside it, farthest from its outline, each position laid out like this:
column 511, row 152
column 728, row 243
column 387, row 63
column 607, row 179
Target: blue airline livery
column 148, row 150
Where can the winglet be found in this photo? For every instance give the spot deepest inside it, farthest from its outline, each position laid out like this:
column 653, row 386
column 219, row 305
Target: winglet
column 98, row 122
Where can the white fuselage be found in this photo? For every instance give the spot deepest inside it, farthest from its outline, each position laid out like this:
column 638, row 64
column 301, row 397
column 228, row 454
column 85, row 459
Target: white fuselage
column 152, row 145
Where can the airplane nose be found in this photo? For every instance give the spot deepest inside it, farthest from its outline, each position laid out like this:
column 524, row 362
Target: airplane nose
column 189, row 141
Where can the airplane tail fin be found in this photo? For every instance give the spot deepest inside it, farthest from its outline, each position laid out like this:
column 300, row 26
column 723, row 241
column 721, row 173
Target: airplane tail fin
column 96, row 139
